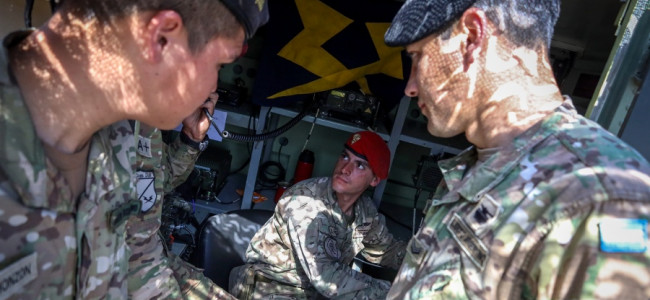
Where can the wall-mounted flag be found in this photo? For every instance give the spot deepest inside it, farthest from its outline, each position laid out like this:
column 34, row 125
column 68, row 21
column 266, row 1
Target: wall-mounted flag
column 312, row 46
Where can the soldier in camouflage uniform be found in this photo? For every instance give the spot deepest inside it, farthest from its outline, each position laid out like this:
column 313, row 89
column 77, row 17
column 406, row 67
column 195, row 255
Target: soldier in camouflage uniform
column 67, row 177
column 305, row 250
column 546, row 204
column 154, row 272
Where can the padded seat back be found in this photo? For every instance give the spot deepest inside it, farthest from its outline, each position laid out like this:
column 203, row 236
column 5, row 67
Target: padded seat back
column 223, row 240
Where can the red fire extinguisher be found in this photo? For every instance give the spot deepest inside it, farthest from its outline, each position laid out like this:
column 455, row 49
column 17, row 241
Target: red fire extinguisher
column 304, row 169
column 305, row 166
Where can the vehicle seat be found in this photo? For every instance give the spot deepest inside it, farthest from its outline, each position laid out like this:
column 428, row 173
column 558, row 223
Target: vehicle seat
column 223, row 240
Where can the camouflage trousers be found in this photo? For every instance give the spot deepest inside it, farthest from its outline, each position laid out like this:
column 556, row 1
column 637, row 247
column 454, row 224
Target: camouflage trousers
column 193, row 284
column 246, row 284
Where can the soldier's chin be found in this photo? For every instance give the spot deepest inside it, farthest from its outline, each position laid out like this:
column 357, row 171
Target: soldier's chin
column 166, row 124
column 440, row 132
column 338, row 185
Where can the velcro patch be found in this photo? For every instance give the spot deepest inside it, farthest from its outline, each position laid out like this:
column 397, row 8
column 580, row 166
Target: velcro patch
column 332, row 249
column 623, row 235
column 468, row 241
column 144, row 146
column 119, row 215
column 14, row 277
column 146, row 189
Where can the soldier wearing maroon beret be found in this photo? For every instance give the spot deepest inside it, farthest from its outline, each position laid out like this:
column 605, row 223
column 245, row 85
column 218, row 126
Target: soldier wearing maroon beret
column 319, row 226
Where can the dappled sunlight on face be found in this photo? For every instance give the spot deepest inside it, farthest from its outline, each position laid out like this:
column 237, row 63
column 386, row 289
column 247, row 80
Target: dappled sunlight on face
column 507, row 90
column 195, row 78
column 442, row 85
column 113, row 73
column 57, row 71
column 496, row 63
column 528, row 59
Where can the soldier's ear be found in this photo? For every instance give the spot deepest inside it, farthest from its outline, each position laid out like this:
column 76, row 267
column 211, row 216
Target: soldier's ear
column 164, row 32
column 474, row 24
column 375, row 181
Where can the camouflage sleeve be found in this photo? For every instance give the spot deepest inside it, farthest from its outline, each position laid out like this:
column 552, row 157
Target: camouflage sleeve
column 594, row 256
column 178, row 163
column 151, row 276
column 381, row 247
column 193, row 284
column 166, row 276
column 317, row 253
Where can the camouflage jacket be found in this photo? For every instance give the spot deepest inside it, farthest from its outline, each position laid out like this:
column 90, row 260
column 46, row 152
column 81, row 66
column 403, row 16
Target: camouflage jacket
column 54, row 246
column 57, row 247
column 153, row 272
column 309, row 243
column 159, row 169
column 560, row 213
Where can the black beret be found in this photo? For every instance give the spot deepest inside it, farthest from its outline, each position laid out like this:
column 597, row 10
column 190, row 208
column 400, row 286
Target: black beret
column 418, row 18
column 252, row 14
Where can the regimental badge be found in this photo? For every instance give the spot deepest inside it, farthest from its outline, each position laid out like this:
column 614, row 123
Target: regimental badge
column 260, row 4
column 146, row 189
column 468, row 241
column 355, row 138
column 331, row 249
column 483, row 214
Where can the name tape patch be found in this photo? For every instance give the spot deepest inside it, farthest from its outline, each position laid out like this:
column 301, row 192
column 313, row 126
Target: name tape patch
column 14, row 277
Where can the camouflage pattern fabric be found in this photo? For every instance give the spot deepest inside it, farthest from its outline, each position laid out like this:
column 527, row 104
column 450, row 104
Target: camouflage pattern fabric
column 55, row 247
column 535, row 220
column 155, row 273
column 307, row 247
column 37, row 213
column 71, row 248
column 193, row 284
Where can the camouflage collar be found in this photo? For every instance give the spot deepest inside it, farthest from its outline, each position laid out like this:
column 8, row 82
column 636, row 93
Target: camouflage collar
column 487, row 175
column 21, row 154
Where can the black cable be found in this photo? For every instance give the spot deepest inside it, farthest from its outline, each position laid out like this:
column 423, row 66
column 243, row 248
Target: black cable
column 226, row 203
column 248, row 160
column 415, row 208
column 280, row 152
column 54, row 4
column 29, row 7
column 263, row 136
column 248, row 148
column 27, row 14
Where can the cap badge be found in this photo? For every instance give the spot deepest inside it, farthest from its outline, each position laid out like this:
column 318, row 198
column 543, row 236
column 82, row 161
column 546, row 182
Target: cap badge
column 355, row 138
column 260, row 4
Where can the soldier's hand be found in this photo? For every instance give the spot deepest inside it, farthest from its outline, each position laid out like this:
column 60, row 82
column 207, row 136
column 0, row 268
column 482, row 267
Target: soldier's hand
column 197, row 124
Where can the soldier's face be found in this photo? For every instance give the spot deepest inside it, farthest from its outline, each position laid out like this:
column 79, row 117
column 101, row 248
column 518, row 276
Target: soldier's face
column 440, row 83
column 352, row 174
column 194, row 77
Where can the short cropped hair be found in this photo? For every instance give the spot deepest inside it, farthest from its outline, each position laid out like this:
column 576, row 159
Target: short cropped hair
column 204, row 20
column 526, row 23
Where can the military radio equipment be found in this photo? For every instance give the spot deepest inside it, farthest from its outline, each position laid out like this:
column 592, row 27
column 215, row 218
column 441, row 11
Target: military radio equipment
column 352, row 106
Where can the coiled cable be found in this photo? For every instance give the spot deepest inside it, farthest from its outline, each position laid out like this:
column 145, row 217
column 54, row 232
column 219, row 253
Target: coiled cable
column 263, row 136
